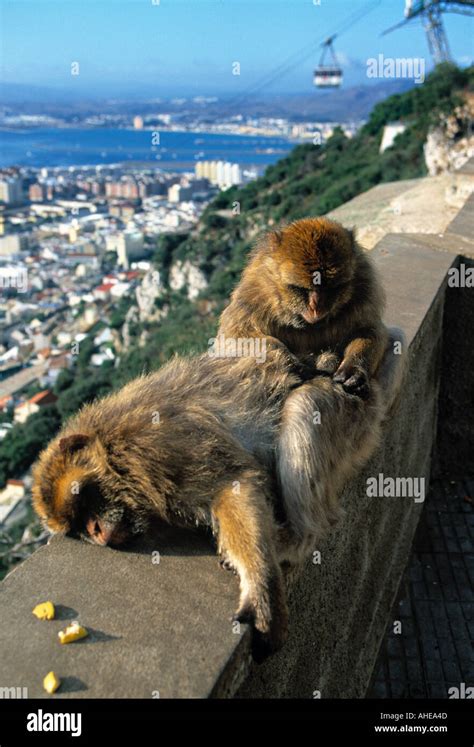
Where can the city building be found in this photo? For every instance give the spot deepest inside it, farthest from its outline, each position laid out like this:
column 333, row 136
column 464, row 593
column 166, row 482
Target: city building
column 11, row 190
column 180, row 192
column 10, row 497
column 25, row 409
column 221, row 173
column 126, row 188
column 127, row 244
column 102, row 292
column 37, row 192
column 12, row 244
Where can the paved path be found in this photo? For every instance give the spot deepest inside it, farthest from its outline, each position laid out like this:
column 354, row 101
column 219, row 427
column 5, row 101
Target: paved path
column 434, row 652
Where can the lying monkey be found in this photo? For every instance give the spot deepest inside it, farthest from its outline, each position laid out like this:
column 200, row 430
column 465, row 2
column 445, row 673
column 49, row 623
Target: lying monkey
column 163, row 448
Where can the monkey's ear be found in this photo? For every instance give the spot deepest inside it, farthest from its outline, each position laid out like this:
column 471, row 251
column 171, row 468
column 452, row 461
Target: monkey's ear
column 73, row 443
column 275, row 238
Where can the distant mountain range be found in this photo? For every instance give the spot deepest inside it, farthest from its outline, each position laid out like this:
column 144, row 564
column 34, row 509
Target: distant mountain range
column 340, row 105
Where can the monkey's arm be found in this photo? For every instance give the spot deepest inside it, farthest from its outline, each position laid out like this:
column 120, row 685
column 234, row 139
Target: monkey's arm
column 275, row 354
column 236, row 323
column 246, row 538
column 361, row 357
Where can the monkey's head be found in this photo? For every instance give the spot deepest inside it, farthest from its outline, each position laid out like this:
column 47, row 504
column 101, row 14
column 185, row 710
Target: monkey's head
column 76, row 493
column 311, row 265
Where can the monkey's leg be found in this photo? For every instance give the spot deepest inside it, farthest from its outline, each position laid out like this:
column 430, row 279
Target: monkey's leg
column 246, row 536
column 326, row 435
column 323, row 431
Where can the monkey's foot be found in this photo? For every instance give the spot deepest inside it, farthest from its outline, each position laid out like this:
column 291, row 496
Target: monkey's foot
column 226, row 565
column 269, row 617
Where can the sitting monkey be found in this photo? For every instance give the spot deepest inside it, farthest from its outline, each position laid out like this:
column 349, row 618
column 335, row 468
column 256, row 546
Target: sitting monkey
column 310, row 291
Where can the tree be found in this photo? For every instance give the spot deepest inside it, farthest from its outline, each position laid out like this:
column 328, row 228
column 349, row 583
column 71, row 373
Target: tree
column 21, row 446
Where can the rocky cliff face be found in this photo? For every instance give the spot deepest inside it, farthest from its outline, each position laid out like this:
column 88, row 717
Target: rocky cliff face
column 149, row 290
column 145, row 310
column 186, row 275
column 451, row 144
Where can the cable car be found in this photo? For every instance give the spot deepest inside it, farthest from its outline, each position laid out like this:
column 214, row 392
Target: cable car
column 329, row 75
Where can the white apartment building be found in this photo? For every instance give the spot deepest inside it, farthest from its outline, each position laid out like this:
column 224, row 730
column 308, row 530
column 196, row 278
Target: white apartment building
column 11, row 191
column 222, row 173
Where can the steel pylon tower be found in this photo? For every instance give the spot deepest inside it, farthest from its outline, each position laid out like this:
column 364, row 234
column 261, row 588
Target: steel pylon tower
column 437, row 39
column 431, row 14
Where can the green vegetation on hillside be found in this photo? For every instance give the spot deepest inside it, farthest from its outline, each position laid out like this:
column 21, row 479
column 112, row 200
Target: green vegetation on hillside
column 22, row 445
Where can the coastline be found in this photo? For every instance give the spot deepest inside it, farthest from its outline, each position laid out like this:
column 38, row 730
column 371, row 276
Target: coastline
column 74, row 147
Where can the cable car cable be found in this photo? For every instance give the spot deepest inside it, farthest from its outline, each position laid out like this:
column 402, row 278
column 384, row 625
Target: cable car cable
column 306, row 51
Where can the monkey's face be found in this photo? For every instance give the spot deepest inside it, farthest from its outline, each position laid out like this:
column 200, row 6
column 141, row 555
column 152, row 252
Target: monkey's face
column 98, row 519
column 314, row 268
column 74, row 493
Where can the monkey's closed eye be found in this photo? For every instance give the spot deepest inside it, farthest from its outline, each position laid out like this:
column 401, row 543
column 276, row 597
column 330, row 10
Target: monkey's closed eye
column 298, row 290
column 334, row 274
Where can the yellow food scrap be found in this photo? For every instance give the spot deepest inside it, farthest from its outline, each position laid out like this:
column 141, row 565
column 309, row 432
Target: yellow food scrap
column 44, row 611
column 51, row 683
column 73, row 632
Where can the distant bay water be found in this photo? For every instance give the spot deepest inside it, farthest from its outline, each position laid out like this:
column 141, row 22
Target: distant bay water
column 176, row 150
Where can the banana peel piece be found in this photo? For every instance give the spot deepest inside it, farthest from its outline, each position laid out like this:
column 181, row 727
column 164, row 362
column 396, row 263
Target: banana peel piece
column 73, row 632
column 44, row 611
column 51, row 683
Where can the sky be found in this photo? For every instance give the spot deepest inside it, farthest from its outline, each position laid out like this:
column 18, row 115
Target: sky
column 190, row 47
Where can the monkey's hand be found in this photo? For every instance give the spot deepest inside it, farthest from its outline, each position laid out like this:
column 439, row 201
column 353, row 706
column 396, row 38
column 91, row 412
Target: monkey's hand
column 311, row 365
column 281, row 357
column 354, row 379
column 327, row 363
column 305, row 368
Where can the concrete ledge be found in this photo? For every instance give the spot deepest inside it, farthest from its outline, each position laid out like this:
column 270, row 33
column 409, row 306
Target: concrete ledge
column 463, row 223
column 166, row 627
column 455, row 438
column 445, row 242
column 154, row 627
